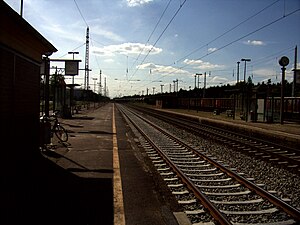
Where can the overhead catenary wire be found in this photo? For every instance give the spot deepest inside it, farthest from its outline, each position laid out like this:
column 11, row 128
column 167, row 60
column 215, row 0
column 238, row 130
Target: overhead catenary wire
column 228, row 31
column 81, row 13
column 73, row 50
column 167, row 6
column 180, row 7
column 236, row 40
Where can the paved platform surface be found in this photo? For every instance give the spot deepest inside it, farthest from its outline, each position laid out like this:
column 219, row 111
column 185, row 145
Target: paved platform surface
column 286, row 132
column 88, row 159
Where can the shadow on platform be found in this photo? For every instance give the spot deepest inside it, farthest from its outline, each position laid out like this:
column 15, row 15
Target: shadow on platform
column 50, row 195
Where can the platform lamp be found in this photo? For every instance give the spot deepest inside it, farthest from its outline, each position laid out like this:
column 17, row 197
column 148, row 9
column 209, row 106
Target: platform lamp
column 245, row 60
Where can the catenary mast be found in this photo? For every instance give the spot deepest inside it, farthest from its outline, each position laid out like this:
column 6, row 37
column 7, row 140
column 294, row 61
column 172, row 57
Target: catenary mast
column 86, row 68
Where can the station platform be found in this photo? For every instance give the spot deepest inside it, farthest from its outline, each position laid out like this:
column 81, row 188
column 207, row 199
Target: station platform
column 286, row 132
column 101, row 177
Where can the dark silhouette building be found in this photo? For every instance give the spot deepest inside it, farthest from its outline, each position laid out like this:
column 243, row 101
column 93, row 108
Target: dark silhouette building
column 21, row 52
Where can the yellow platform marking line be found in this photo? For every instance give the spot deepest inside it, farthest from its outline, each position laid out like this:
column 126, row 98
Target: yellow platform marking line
column 119, row 214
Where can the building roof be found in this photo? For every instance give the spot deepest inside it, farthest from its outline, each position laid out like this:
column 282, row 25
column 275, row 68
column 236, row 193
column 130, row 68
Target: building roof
column 17, row 34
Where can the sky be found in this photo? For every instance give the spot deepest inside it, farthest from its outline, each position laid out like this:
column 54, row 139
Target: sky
column 143, row 46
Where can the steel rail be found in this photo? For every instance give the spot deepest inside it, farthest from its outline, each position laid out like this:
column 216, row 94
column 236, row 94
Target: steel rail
column 251, row 145
column 260, row 191
column 218, row 216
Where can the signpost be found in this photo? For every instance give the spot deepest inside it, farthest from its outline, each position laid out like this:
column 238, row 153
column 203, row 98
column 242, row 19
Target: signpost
column 284, row 61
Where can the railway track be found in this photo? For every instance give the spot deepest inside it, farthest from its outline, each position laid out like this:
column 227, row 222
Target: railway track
column 282, row 155
column 209, row 192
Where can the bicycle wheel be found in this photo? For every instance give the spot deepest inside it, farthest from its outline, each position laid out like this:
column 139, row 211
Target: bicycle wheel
column 61, row 133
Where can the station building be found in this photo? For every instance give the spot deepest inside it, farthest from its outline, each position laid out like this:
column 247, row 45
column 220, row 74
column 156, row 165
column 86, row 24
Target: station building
column 22, row 49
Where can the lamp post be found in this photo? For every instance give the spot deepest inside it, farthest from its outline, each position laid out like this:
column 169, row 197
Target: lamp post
column 238, row 72
column 161, row 88
column 244, row 60
column 198, row 74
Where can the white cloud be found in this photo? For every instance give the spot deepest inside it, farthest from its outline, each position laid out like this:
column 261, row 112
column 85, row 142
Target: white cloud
column 106, row 34
column 162, row 70
column 108, row 60
column 126, row 48
column 199, row 64
column 254, row 42
column 63, row 33
column 212, row 49
column 133, row 3
column 217, row 80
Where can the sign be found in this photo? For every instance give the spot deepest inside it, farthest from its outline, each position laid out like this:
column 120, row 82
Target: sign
column 71, row 67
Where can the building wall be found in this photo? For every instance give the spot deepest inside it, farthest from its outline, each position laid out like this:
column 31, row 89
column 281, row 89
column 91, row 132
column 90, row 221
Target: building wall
column 19, row 109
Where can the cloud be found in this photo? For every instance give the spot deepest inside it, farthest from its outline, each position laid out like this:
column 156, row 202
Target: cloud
column 62, row 32
column 106, row 34
column 133, row 3
column 126, row 48
column 216, row 80
column 263, row 73
column 212, row 49
column 108, row 60
column 254, row 42
column 199, row 64
column 162, row 70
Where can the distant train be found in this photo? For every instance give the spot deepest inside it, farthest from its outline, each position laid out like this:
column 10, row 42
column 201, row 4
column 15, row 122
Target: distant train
column 266, row 109
column 206, row 104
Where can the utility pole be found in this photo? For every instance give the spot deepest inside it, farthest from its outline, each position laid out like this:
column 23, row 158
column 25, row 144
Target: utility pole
column 105, row 86
column 86, row 68
column 100, row 84
column 21, row 8
column 238, row 72
column 295, row 73
column 161, row 88
column 174, row 81
column 204, row 87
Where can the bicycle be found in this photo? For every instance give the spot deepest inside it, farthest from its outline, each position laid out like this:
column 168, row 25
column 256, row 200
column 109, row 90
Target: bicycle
column 56, row 128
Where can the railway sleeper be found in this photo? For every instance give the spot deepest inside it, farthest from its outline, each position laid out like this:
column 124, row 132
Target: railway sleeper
column 204, row 175
column 228, row 194
column 258, row 200
column 217, row 180
column 219, row 187
column 263, row 211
